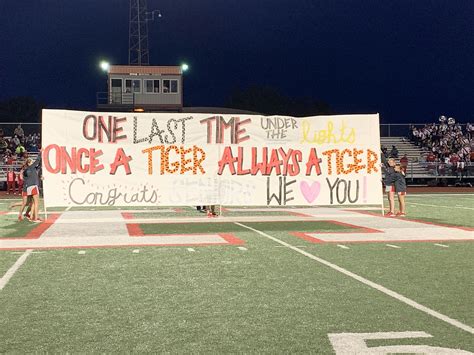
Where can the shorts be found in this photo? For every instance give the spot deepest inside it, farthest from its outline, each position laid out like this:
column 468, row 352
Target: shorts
column 390, row 188
column 402, row 193
column 32, row 190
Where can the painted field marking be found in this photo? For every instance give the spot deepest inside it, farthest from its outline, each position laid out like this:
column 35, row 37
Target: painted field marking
column 68, row 208
column 81, row 252
column 426, row 204
column 367, row 282
column 191, row 250
column 136, row 251
column 355, row 343
column 442, row 245
column 343, row 246
column 393, row 246
column 16, row 213
column 242, row 248
column 8, row 275
column 284, row 246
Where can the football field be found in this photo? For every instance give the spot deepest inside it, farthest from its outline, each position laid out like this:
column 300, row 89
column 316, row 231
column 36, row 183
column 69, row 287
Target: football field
column 255, row 280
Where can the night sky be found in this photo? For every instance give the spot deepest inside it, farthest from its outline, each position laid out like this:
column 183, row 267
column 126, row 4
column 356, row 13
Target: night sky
column 410, row 60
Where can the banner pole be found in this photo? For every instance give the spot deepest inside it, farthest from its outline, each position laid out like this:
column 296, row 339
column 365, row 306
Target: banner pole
column 41, row 167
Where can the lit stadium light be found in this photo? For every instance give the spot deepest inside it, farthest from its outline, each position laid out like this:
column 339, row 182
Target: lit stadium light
column 184, row 67
column 104, row 65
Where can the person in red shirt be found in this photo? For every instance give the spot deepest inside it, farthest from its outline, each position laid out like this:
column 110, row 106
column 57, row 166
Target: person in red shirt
column 19, row 177
column 11, row 177
column 454, row 159
column 404, row 164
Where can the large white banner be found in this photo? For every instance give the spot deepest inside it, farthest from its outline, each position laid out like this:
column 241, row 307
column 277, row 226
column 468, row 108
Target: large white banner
column 119, row 159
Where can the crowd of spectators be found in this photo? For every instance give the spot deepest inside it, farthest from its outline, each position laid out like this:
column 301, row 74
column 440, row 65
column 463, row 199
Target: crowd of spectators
column 450, row 148
column 14, row 147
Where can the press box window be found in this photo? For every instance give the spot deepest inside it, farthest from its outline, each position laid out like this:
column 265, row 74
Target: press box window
column 133, row 86
column 152, row 86
column 170, row 86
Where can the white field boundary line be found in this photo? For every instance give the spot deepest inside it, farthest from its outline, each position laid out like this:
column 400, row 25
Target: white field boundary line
column 369, row 283
column 425, row 204
column 9, row 274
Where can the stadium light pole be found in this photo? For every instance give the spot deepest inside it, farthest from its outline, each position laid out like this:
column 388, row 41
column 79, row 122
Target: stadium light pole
column 105, row 66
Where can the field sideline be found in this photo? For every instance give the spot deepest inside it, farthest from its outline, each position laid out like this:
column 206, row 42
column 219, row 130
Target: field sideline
column 262, row 281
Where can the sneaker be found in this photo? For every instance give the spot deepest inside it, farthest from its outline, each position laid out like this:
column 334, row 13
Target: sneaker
column 399, row 214
column 20, row 218
column 390, row 214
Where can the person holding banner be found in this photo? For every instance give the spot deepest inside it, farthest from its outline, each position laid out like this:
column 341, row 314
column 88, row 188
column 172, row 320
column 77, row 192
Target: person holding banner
column 389, row 186
column 400, row 189
column 26, row 200
column 31, row 179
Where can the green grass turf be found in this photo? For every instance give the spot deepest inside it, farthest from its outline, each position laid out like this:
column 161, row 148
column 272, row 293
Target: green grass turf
column 7, row 259
column 223, row 227
column 439, row 278
column 11, row 228
column 216, row 300
column 219, row 299
column 452, row 210
column 190, row 213
column 9, row 225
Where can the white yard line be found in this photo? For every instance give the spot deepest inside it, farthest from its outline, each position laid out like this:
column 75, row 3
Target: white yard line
column 9, row 274
column 393, row 246
column 343, row 246
column 242, row 248
column 369, row 283
column 68, row 208
column 425, row 204
column 442, row 245
column 16, row 213
column 191, row 250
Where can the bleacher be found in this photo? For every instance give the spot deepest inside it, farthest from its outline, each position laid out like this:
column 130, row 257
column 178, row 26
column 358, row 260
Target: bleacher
column 417, row 167
column 16, row 166
column 413, row 152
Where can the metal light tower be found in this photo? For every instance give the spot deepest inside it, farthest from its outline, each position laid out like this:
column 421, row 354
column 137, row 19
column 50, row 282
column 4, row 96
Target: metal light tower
column 138, row 32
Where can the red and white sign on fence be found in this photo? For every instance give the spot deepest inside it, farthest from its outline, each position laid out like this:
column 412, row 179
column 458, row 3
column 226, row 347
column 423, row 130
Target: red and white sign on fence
column 123, row 159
